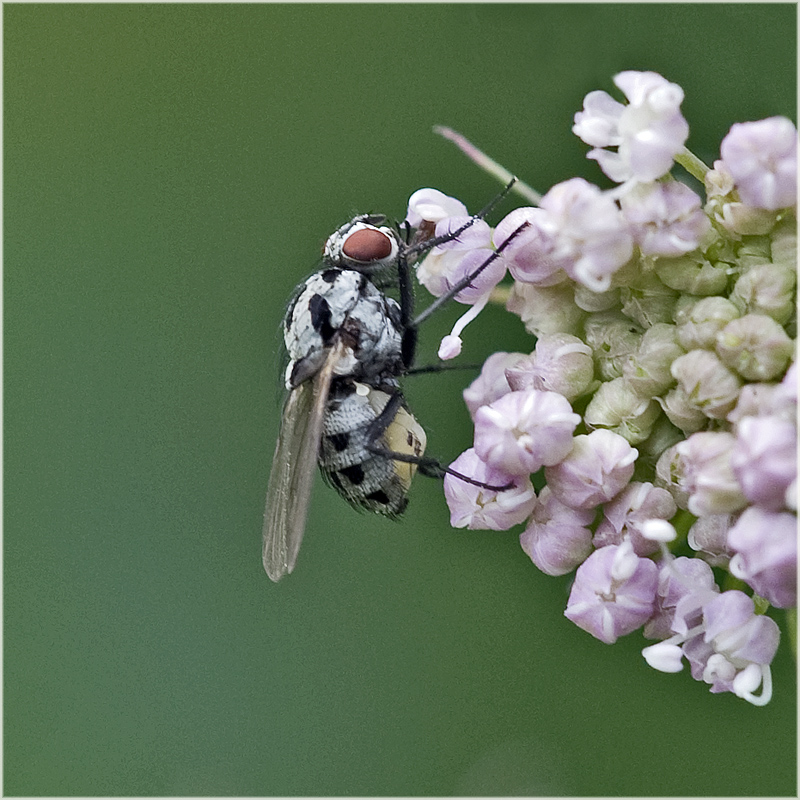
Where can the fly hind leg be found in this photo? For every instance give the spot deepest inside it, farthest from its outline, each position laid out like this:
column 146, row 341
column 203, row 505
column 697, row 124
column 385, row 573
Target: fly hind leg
column 431, row 467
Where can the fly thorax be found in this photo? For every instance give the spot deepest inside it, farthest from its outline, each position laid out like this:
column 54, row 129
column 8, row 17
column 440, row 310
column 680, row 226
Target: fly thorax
column 342, row 304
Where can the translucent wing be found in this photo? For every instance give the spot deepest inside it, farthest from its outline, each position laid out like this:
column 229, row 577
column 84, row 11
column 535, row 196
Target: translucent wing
column 293, row 468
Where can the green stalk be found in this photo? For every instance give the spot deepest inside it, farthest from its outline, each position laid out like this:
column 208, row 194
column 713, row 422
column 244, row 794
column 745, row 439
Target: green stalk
column 488, row 164
column 791, row 624
column 692, row 164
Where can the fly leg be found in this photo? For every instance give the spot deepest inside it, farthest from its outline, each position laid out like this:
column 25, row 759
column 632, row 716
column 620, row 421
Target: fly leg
column 467, row 280
column 431, row 467
column 412, row 253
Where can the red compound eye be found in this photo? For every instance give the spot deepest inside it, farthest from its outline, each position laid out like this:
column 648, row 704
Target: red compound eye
column 367, row 244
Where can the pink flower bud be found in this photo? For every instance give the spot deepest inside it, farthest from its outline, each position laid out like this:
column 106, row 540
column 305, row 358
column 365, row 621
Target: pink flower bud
column 766, row 400
column 492, row 383
column 449, row 262
column 764, row 459
column 597, row 468
column 560, row 363
column 762, row 158
column 609, row 602
column 707, row 382
column 765, row 554
column 431, row 205
column 709, row 536
column 557, row 538
column 625, row 515
column 684, row 586
column 478, row 508
column 707, row 473
column 469, row 263
column 534, row 255
column 666, row 218
column 523, row 431
column 591, row 236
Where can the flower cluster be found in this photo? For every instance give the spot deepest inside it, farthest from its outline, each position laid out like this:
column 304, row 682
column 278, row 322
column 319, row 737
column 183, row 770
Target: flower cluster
column 659, row 404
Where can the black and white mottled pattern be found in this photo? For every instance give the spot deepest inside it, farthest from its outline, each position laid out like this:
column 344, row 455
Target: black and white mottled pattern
column 348, row 345
column 347, row 303
column 364, row 478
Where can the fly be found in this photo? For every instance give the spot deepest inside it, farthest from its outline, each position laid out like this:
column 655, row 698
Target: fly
column 348, row 344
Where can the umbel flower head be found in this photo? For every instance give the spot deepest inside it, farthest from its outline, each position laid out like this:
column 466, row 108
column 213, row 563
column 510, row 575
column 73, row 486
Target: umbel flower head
column 657, row 403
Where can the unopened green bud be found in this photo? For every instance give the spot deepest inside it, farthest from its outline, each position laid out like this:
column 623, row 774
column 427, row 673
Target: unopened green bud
column 669, row 474
column 546, row 309
column 756, row 346
column 683, row 306
column 648, row 370
column 681, row 412
column 784, row 244
column 720, row 248
column 693, row 274
column 700, row 322
column 617, row 407
column 592, row 301
column 560, row 363
column 746, row 220
column 613, row 339
column 753, row 250
column 766, row 289
column 647, row 300
column 630, row 271
column 708, row 383
column 663, row 435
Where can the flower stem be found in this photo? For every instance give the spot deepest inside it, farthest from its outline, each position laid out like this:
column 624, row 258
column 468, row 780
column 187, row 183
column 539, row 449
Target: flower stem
column 791, row 624
column 487, row 164
column 692, row 164
column 731, row 583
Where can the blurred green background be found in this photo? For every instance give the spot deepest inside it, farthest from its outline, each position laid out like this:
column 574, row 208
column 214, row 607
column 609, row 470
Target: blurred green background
column 170, row 174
